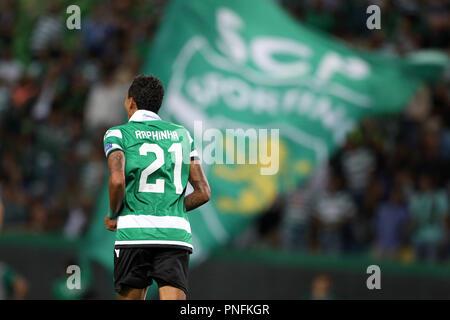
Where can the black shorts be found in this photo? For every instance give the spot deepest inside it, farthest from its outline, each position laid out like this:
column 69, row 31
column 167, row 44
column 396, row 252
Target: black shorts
column 138, row 267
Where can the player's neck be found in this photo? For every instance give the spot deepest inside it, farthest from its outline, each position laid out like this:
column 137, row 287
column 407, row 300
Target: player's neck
column 131, row 113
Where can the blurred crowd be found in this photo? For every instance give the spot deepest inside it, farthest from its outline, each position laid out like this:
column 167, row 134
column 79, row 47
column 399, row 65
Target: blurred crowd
column 59, row 91
column 386, row 190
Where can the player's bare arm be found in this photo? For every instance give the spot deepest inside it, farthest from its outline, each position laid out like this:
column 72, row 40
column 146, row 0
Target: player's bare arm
column 202, row 191
column 116, row 165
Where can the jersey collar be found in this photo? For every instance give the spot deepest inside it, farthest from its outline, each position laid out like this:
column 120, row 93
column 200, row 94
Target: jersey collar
column 144, row 115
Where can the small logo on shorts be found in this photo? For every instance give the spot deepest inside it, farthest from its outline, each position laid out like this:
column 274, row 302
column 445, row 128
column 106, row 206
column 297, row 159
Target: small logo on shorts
column 117, row 252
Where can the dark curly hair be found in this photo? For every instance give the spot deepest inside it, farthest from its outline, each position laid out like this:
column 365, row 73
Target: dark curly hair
column 147, row 92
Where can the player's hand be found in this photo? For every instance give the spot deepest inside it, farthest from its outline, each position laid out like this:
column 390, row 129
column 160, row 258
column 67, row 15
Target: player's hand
column 110, row 225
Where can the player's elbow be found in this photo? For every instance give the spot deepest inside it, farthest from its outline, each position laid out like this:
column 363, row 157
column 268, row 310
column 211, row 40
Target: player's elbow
column 117, row 181
column 206, row 194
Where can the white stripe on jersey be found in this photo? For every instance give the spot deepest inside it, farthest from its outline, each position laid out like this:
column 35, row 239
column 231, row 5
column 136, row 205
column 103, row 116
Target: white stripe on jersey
column 176, row 243
column 113, row 133
column 149, row 221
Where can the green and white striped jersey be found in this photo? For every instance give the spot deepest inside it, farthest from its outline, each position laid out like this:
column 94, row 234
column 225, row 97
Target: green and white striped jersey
column 157, row 162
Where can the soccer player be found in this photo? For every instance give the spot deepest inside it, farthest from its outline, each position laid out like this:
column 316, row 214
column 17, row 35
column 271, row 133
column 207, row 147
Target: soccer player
column 150, row 162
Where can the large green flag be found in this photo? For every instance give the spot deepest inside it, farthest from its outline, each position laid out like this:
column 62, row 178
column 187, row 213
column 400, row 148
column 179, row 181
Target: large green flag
column 246, row 64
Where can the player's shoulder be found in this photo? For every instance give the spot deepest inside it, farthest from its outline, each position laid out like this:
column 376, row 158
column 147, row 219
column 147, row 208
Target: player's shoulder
column 174, row 127
column 172, row 124
column 117, row 131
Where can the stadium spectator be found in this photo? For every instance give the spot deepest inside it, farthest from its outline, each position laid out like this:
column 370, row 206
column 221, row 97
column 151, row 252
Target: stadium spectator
column 332, row 212
column 391, row 221
column 97, row 31
column 38, row 216
column 104, row 106
column 7, row 21
column 48, row 32
column 429, row 212
column 319, row 17
column 296, row 220
column 321, row 288
column 11, row 69
column 357, row 164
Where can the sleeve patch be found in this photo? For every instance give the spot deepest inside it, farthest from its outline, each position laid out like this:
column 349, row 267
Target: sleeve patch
column 108, row 147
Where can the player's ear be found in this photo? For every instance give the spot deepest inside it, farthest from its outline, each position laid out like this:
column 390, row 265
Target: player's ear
column 129, row 103
column 132, row 103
